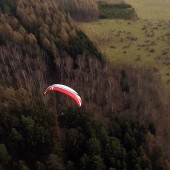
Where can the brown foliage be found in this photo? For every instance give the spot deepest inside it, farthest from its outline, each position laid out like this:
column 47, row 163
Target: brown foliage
column 21, row 75
column 95, row 82
column 37, row 23
column 12, row 30
column 81, row 10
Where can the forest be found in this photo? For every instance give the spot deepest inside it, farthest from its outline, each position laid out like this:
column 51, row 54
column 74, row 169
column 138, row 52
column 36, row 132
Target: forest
column 118, row 125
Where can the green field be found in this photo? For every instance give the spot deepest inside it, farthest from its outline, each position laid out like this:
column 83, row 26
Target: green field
column 152, row 9
column 142, row 42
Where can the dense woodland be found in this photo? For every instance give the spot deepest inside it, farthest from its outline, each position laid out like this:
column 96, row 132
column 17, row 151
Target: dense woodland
column 81, row 10
column 119, row 125
column 92, row 10
column 118, row 11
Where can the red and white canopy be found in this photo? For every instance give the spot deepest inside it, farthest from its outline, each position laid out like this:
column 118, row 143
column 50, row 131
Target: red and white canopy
column 67, row 91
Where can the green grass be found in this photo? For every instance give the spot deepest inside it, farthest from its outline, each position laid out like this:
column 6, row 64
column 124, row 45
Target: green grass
column 138, row 42
column 141, row 42
column 151, row 9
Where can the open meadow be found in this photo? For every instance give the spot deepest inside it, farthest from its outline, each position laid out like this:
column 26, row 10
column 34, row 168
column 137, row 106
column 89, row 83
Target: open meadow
column 145, row 41
column 152, row 9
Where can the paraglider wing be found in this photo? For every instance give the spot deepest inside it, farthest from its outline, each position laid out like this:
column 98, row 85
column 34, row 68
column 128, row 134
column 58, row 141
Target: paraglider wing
column 67, row 91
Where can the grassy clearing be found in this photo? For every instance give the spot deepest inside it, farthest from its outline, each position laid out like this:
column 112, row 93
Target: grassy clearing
column 149, row 9
column 138, row 42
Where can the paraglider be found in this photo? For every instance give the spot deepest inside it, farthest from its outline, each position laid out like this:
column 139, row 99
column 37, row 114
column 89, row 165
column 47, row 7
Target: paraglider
column 67, row 91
